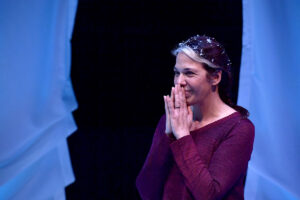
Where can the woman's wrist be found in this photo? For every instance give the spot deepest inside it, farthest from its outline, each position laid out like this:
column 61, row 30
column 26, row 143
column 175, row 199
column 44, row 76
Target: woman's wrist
column 171, row 136
column 182, row 134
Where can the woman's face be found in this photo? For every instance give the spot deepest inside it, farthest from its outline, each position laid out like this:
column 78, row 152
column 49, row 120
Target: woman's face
column 192, row 76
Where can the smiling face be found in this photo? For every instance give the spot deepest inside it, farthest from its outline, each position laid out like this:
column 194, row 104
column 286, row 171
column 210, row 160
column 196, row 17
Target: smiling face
column 192, row 76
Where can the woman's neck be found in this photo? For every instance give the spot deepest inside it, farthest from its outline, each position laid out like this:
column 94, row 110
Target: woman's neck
column 210, row 109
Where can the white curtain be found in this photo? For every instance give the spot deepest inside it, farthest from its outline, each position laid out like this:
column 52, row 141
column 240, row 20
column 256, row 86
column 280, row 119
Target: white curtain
column 270, row 89
column 36, row 98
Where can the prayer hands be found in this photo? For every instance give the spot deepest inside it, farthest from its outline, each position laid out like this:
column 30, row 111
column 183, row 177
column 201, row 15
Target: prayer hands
column 179, row 116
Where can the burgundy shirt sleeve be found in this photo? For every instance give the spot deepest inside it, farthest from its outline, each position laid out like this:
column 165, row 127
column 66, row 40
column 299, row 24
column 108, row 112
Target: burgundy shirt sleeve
column 151, row 179
column 228, row 163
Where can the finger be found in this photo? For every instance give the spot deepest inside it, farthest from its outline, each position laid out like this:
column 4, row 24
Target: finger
column 173, row 94
column 183, row 99
column 168, row 123
column 177, row 97
column 170, row 106
column 166, row 107
column 190, row 112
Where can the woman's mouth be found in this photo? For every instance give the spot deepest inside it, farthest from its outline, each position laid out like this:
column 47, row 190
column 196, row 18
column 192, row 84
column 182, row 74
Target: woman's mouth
column 187, row 93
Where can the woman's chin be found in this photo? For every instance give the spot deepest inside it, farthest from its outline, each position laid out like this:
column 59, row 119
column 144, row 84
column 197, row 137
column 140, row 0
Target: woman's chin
column 189, row 102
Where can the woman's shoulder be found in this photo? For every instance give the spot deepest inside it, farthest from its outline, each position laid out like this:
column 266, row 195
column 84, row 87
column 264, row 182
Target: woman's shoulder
column 241, row 115
column 245, row 121
column 235, row 124
column 243, row 127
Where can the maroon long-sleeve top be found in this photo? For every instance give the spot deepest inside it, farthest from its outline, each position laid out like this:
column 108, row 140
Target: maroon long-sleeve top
column 210, row 163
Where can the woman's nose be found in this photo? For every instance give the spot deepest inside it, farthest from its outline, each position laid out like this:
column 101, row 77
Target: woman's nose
column 181, row 80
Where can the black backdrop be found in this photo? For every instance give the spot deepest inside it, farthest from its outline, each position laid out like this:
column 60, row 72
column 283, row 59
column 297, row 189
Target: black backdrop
column 121, row 68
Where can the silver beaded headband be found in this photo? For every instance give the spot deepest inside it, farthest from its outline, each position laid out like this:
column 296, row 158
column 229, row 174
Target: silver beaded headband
column 207, row 50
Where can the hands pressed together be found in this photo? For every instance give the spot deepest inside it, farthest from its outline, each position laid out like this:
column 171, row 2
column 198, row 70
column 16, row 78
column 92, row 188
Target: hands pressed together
column 179, row 116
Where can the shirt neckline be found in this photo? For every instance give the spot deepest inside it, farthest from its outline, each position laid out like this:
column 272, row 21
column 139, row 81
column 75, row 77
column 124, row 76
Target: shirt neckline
column 216, row 122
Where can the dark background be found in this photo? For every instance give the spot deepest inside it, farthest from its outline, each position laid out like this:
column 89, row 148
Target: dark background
column 121, row 68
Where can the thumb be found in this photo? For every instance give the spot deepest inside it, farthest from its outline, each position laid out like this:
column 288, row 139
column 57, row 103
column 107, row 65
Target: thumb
column 190, row 113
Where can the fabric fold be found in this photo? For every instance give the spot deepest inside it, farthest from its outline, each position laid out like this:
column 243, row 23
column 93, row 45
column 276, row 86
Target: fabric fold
column 269, row 88
column 36, row 99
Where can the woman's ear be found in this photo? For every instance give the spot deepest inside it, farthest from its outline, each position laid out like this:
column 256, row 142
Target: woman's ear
column 215, row 78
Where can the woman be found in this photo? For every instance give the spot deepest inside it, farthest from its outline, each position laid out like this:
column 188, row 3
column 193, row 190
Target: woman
column 202, row 145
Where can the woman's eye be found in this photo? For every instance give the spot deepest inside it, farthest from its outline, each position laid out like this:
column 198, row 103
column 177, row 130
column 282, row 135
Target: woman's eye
column 189, row 73
column 176, row 73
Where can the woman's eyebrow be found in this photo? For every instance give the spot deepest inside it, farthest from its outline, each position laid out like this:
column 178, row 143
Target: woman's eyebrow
column 185, row 69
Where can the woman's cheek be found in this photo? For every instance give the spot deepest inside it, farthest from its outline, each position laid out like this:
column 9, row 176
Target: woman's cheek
column 175, row 80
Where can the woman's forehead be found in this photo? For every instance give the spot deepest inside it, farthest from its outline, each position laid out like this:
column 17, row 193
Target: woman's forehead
column 185, row 62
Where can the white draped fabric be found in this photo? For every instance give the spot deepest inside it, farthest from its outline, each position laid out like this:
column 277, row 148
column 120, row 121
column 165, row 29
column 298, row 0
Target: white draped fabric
column 270, row 89
column 36, row 98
